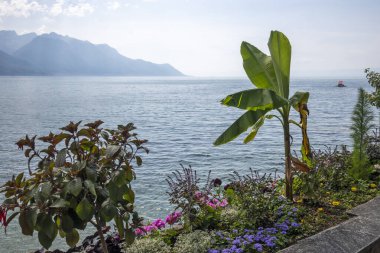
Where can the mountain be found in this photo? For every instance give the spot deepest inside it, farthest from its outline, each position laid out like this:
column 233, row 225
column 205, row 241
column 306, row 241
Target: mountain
column 11, row 66
column 54, row 54
column 10, row 41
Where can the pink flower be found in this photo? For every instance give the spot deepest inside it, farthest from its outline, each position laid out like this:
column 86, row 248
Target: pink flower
column 212, row 205
column 173, row 217
column 223, row 203
column 149, row 228
column 159, row 223
column 139, row 231
column 3, row 217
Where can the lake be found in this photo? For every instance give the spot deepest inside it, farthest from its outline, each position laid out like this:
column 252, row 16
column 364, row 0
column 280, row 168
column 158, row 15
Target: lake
column 181, row 117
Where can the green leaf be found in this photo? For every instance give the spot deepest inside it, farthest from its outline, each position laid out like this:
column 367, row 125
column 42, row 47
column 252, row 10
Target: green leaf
column 112, row 151
column 72, row 238
column 129, row 195
column 108, row 211
column 116, row 193
column 138, row 160
column 91, row 174
column 45, row 223
column 254, row 130
column 45, row 190
column 255, row 99
column 129, row 174
column 67, row 224
column 74, row 186
column 19, row 178
column 85, row 210
column 281, row 53
column 61, row 158
column 44, row 239
column 119, row 225
column 90, row 186
column 61, row 203
column 129, row 236
column 259, row 67
column 27, row 221
column 119, row 178
column 299, row 98
column 241, row 125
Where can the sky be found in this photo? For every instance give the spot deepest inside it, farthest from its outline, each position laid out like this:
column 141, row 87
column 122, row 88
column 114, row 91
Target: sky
column 329, row 38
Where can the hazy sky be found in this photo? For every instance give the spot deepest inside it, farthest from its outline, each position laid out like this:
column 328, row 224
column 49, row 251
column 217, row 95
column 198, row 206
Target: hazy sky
column 202, row 37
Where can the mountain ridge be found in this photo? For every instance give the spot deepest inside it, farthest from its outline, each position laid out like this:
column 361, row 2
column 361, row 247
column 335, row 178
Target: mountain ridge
column 54, row 54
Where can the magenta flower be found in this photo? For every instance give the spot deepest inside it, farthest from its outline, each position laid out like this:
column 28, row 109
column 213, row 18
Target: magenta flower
column 150, row 227
column 212, row 205
column 223, row 203
column 173, row 217
column 158, row 223
column 139, row 231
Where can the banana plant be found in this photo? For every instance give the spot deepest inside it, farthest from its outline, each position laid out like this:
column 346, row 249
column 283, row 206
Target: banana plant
column 270, row 74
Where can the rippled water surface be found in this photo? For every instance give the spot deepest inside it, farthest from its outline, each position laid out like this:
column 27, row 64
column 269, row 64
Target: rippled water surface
column 181, row 117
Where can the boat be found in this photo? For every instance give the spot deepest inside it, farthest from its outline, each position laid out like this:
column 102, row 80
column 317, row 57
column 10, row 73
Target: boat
column 341, row 84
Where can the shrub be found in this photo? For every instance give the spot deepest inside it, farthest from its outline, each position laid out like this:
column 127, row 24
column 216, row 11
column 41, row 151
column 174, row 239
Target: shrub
column 83, row 176
column 362, row 117
column 148, row 245
column 257, row 198
column 195, row 242
column 373, row 147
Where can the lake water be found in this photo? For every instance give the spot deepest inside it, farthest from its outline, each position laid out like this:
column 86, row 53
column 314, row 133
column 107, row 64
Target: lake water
column 181, row 117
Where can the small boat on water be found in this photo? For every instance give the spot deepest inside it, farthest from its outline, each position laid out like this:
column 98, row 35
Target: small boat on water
column 341, row 84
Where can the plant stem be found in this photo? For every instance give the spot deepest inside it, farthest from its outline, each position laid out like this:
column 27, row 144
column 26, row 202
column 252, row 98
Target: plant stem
column 288, row 168
column 101, row 235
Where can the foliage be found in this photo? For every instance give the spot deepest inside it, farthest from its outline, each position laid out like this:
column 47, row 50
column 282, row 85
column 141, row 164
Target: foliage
column 362, row 118
column 270, row 74
column 185, row 193
column 261, row 239
column 373, row 147
column 257, row 198
column 374, row 80
column 148, row 245
column 195, row 242
column 329, row 173
column 83, row 176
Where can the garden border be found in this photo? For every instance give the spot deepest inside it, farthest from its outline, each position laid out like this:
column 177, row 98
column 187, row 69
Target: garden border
column 360, row 234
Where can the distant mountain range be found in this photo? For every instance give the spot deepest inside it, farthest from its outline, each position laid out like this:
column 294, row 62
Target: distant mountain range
column 54, row 54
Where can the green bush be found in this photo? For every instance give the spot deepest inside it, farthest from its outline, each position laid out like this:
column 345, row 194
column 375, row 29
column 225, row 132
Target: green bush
column 195, row 242
column 148, row 245
column 362, row 118
column 83, row 176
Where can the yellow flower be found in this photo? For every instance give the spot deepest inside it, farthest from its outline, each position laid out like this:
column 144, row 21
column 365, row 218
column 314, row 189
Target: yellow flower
column 335, row 203
column 354, row 189
column 373, row 185
column 320, row 209
column 299, row 200
column 302, row 221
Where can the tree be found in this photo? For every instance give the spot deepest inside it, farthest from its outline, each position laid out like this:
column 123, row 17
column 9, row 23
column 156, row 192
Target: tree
column 374, row 80
column 270, row 74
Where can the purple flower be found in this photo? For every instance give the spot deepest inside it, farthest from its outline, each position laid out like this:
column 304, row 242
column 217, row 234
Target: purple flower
column 295, row 224
column 213, row 251
column 258, row 247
